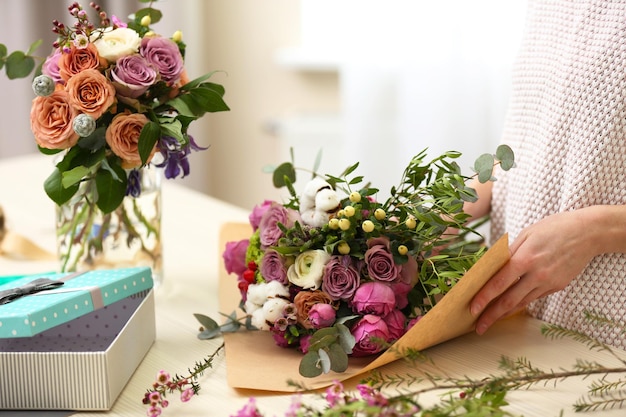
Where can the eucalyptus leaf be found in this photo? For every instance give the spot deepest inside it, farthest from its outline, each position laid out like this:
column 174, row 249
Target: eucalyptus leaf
column 325, row 362
column 309, row 365
column 506, row 157
column 19, row 65
column 209, row 334
column 3, row 53
column 338, row 358
column 206, row 321
column 484, row 167
column 33, row 46
column 284, row 170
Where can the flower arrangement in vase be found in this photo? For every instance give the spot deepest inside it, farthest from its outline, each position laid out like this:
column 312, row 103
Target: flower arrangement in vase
column 333, row 272
column 113, row 104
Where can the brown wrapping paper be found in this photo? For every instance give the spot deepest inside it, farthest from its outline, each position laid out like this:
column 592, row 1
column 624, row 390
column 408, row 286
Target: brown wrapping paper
column 253, row 361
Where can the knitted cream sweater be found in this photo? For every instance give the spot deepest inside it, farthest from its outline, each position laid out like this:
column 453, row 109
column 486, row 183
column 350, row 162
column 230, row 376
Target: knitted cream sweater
column 567, row 126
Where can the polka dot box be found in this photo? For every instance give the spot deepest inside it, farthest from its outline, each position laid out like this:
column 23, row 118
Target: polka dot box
column 59, row 353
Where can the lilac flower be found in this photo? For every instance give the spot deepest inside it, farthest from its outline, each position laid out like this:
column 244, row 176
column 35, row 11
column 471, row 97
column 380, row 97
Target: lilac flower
column 175, row 156
column 133, row 186
column 249, row 410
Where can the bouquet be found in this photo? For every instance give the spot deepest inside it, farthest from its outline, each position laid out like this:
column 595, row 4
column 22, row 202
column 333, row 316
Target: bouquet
column 333, row 272
column 111, row 95
column 113, row 99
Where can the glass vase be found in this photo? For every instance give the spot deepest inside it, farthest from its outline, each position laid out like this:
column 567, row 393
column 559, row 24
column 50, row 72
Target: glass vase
column 129, row 236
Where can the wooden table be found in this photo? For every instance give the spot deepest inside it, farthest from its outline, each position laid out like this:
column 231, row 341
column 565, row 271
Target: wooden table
column 191, row 225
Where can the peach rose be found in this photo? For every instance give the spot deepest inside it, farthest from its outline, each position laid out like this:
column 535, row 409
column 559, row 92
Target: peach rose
column 90, row 92
column 78, row 60
column 304, row 300
column 122, row 136
column 51, row 121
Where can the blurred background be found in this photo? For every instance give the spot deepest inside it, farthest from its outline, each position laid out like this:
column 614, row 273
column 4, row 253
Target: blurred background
column 366, row 81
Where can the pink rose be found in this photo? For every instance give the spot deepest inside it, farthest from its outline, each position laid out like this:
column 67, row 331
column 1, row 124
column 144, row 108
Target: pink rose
column 273, row 267
column 164, row 55
column 235, row 256
column 396, row 323
column 132, row 76
column 368, row 333
column 270, row 233
column 90, row 92
column 305, row 343
column 257, row 213
column 322, row 315
column 50, row 66
column 379, row 260
column 122, row 136
column 373, row 298
column 341, row 278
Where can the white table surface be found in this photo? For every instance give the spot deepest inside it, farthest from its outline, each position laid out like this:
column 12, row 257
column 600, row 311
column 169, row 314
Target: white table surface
column 191, row 224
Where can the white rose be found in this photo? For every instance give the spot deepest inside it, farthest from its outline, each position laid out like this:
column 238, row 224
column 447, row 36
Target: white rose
column 116, row 43
column 308, row 268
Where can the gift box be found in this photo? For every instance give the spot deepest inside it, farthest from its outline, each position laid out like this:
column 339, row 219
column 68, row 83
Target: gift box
column 75, row 345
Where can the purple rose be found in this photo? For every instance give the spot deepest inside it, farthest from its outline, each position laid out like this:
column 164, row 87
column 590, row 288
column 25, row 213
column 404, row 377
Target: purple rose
column 379, row 260
column 368, row 332
column 396, row 323
column 257, row 212
column 341, row 278
column 132, row 76
column 235, row 256
column 322, row 315
column 164, row 55
column 373, row 298
column 50, row 66
column 269, row 232
column 273, row 267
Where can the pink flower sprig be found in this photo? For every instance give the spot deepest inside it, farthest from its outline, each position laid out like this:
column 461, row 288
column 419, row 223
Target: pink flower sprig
column 187, row 386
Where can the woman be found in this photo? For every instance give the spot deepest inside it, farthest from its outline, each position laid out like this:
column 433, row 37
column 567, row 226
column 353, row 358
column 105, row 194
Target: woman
column 564, row 204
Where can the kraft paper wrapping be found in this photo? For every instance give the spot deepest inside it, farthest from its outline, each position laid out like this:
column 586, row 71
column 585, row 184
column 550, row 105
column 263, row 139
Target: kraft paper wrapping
column 253, row 361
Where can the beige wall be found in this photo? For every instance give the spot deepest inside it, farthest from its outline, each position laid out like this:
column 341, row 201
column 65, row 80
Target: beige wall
column 242, row 37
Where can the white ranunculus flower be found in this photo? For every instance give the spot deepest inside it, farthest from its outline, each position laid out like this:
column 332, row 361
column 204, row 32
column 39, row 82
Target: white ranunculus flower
column 116, row 43
column 307, row 270
column 273, row 309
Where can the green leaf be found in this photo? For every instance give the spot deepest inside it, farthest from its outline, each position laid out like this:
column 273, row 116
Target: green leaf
column 3, row 53
column 338, row 358
column 33, row 46
column 149, row 136
column 18, row 65
column 325, row 362
column 206, row 321
column 111, row 188
column 55, row 190
column 74, row 176
column 207, row 100
column 284, row 170
column 309, row 365
column 197, row 81
column 173, row 128
column 506, row 157
column 484, row 167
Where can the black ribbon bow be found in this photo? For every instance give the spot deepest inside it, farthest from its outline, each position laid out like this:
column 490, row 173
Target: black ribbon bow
column 32, row 287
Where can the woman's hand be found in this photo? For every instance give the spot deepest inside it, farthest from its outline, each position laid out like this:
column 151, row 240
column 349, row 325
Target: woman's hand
column 546, row 257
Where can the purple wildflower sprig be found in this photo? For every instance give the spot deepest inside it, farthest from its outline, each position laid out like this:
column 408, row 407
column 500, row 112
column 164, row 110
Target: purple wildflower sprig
column 187, row 386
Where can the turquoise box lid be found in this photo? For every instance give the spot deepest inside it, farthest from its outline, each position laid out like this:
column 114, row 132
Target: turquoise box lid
column 80, row 294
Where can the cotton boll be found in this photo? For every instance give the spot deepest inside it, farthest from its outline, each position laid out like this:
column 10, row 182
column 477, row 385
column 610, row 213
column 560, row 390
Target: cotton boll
column 257, row 319
column 326, row 200
column 273, row 309
column 257, row 294
column 251, row 307
column 275, row 289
